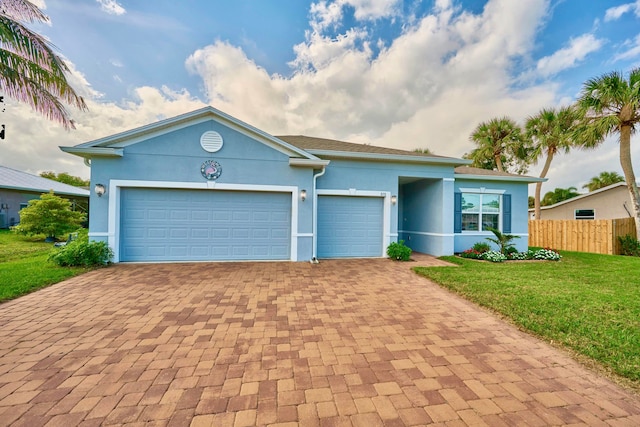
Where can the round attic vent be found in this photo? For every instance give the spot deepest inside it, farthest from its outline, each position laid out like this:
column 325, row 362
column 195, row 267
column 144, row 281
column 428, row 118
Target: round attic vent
column 211, row 141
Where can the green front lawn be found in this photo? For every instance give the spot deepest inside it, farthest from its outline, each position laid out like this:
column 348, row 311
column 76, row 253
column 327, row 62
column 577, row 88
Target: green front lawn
column 588, row 303
column 24, row 266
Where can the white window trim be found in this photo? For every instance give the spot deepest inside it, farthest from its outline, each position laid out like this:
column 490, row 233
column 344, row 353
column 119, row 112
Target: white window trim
column 481, row 191
column 115, row 185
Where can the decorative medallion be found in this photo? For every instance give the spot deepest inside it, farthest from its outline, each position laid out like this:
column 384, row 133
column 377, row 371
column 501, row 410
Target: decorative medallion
column 211, row 141
column 211, row 170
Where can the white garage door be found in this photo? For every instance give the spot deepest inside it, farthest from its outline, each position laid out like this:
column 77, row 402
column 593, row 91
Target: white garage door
column 349, row 226
column 203, row 225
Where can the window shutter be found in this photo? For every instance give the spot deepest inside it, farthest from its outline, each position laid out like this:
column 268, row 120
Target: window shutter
column 457, row 212
column 506, row 213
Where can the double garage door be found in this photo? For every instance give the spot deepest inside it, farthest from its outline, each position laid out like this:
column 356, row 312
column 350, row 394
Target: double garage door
column 204, row 225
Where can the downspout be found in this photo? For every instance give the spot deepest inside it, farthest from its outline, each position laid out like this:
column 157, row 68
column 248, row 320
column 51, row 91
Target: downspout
column 314, row 217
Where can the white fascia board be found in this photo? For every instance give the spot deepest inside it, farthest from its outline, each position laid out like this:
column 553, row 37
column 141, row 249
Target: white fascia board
column 161, row 127
column 390, row 157
column 94, row 151
column 296, row 161
column 528, row 179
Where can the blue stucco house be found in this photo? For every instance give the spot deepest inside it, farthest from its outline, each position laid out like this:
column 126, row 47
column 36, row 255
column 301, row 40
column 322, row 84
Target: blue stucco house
column 206, row 186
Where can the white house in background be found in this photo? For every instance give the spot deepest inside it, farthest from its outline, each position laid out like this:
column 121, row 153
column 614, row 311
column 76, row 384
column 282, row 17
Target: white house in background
column 608, row 202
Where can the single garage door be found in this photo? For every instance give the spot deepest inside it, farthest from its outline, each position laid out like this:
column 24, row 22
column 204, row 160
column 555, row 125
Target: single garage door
column 349, row 226
column 203, row 225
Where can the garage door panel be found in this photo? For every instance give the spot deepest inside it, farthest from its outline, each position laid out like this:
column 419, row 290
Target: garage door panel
column 349, row 226
column 204, row 225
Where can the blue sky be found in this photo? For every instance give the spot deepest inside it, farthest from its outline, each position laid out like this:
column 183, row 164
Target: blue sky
column 404, row 74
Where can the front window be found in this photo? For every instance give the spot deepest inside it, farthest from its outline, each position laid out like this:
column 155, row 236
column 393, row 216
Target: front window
column 480, row 211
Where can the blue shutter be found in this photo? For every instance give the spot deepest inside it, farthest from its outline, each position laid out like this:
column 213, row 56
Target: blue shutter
column 457, row 212
column 506, row 213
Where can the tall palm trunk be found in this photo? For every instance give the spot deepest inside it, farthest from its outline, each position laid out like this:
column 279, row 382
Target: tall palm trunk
column 630, row 177
column 545, row 169
column 498, row 160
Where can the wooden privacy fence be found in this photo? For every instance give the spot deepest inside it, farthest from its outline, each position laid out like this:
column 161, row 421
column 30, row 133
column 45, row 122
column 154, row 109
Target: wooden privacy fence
column 597, row 236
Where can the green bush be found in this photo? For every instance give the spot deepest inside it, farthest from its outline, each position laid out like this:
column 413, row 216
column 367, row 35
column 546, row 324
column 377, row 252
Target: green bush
column 399, row 251
column 630, row 245
column 50, row 215
column 481, row 247
column 82, row 252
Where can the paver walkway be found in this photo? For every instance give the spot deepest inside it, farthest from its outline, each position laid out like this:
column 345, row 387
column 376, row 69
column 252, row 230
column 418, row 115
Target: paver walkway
column 341, row 343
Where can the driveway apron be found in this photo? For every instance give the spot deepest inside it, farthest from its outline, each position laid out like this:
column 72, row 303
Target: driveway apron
column 340, row 343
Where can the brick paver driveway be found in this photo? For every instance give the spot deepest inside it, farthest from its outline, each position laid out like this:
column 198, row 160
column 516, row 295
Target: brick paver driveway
column 342, row 343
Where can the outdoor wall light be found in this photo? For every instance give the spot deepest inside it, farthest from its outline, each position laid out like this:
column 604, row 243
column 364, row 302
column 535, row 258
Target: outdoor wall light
column 100, row 190
column 303, row 195
column 394, row 200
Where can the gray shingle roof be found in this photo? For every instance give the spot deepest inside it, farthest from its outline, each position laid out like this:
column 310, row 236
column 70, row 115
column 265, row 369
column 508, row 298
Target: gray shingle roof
column 18, row 180
column 312, row 143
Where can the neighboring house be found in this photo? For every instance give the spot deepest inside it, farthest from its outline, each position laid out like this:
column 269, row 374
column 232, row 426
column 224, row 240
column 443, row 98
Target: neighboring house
column 206, row 186
column 17, row 188
column 608, row 202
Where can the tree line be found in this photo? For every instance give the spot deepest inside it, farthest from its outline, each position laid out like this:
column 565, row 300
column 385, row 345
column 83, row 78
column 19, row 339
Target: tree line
column 607, row 105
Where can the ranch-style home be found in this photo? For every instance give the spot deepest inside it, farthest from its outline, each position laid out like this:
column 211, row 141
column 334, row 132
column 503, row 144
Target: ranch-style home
column 206, row 186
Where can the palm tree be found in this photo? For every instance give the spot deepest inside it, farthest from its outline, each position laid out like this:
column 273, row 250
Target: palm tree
column 559, row 195
column 499, row 143
column 30, row 71
column 605, row 179
column 551, row 131
column 611, row 105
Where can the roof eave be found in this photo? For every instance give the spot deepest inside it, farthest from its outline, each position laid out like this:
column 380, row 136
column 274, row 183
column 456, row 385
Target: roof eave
column 296, row 161
column 89, row 152
column 528, row 179
column 42, row 190
column 389, row 157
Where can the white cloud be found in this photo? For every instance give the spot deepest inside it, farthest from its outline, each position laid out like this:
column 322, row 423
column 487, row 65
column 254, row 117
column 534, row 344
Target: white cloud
column 568, row 57
column 428, row 88
column 111, row 7
column 614, row 13
column 327, row 13
column 632, row 51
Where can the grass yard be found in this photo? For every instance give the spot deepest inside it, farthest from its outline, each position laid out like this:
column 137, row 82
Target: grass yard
column 24, row 267
column 588, row 303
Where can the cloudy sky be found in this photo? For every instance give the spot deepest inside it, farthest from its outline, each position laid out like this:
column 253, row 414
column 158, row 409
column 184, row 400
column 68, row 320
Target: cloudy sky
column 404, row 74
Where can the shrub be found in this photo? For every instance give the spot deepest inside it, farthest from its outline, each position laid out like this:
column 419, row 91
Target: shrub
column 504, row 241
column 481, row 247
column 472, row 253
column 630, row 245
column 399, row 251
column 494, row 256
column 547, row 255
column 520, row 255
column 82, row 252
column 49, row 215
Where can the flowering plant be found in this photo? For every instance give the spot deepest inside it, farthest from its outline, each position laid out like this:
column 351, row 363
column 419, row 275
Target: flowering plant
column 471, row 253
column 494, row 256
column 547, row 254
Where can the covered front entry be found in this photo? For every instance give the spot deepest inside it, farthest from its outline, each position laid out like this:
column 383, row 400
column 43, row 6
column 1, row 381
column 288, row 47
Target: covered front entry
column 203, row 225
column 350, row 226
